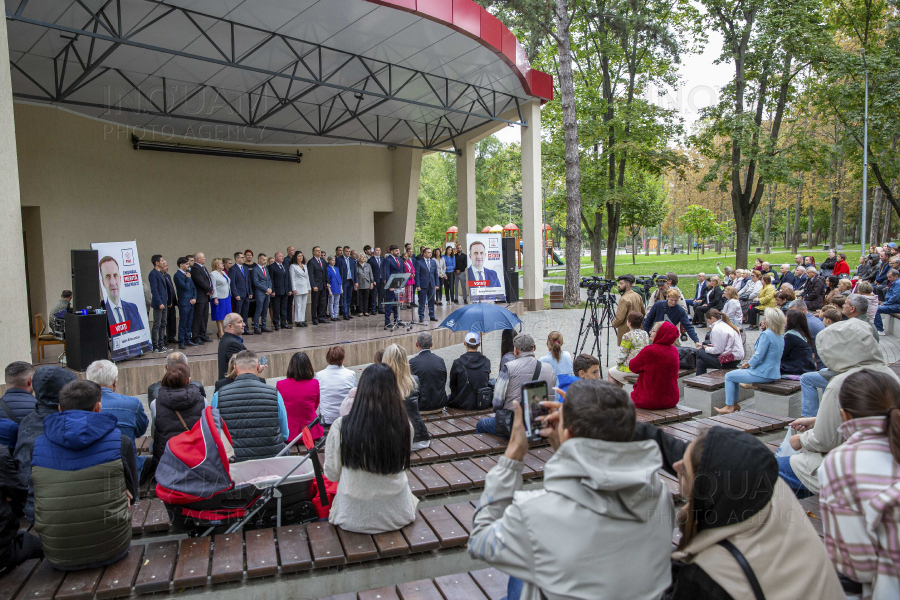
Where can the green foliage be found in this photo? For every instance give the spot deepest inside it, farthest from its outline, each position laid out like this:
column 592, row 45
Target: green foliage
column 700, row 222
column 644, row 205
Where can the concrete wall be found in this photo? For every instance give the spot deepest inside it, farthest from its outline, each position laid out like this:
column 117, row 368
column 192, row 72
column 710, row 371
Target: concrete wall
column 90, row 185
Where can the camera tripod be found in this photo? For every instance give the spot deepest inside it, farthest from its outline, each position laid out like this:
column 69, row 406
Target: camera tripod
column 602, row 308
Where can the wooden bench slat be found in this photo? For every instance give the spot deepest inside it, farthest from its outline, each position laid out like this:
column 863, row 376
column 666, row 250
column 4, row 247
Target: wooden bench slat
column 326, row 546
column 463, row 425
column 415, row 486
column 385, row 593
column 157, row 517
column 459, row 587
column 688, row 427
column 12, row 582
column 262, row 559
column 347, row 596
column 193, row 563
column 228, row 558
column 139, row 515
column 448, row 530
column 736, row 423
column 357, row 546
column 426, row 455
column 472, row 471
column 492, row 441
column 419, row 536
column 455, row 479
column 543, row 454
column 443, row 451
column 434, row 431
column 431, row 480
column 535, row 463
column 80, row 585
column 681, row 435
column 478, row 446
column 156, row 570
column 709, row 421
column 391, row 543
column 423, row 589
column 687, row 411
column 118, row 578
column 462, row 512
column 43, row 583
column 750, row 420
column 459, row 448
column 774, row 419
column 293, row 548
column 491, row 581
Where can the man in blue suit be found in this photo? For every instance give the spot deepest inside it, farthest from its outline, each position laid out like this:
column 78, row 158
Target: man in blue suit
column 281, row 286
column 160, row 301
column 426, row 282
column 390, row 266
column 375, row 261
column 349, row 281
column 187, row 297
column 699, row 290
column 262, row 289
column 240, row 289
column 117, row 309
column 477, row 271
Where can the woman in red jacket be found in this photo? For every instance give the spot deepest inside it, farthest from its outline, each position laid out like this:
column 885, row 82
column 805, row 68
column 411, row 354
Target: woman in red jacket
column 657, row 368
column 841, row 267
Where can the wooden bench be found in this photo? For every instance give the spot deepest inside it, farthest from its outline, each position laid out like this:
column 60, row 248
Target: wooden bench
column 781, row 397
column 707, row 392
column 750, row 421
column 485, row 584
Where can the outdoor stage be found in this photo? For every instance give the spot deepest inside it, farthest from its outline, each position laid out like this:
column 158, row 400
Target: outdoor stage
column 361, row 337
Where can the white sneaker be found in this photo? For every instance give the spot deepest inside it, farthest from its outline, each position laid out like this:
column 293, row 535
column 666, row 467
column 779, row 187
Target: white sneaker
column 882, row 333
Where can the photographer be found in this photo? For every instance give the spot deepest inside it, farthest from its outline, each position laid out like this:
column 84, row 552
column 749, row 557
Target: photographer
column 629, row 302
column 670, row 310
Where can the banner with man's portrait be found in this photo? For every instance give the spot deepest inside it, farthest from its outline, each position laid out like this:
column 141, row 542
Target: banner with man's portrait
column 123, row 299
column 485, row 272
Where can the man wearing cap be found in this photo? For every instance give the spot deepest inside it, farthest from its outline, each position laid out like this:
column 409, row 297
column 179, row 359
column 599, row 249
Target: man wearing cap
column 513, row 375
column 468, row 374
column 629, row 302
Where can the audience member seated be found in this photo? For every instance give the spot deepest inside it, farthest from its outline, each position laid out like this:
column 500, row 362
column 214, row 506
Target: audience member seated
column 300, row 393
column 725, row 344
column 9, row 433
column 335, row 383
column 814, row 293
column 432, row 373
column 600, row 484
column 732, row 307
column 18, row 401
column 253, row 411
column 711, row 299
column 699, row 288
column 632, row 343
column 171, row 359
column 857, row 477
column 231, row 342
column 766, row 299
column 556, row 357
column 85, row 478
column 812, row 382
column 669, row 310
column 750, row 292
column 178, row 406
column 797, row 356
column 891, row 303
column 367, row 453
column 128, row 410
column 47, row 383
column 783, row 300
column 515, row 373
column 762, row 523
column 857, row 307
column 586, row 366
column 656, row 366
column 15, row 546
column 845, row 348
column 395, row 357
column 506, row 347
column 765, row 364
column 831, row 315
column 468, row 374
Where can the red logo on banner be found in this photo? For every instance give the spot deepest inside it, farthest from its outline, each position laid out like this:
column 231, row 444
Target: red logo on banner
column 118, row 328
column 478, row 284
column 130, row 278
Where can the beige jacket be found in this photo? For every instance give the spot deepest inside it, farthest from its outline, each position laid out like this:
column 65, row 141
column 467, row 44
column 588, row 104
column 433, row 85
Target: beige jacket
column 630, row 301
column 845, row 347
column 780, row 544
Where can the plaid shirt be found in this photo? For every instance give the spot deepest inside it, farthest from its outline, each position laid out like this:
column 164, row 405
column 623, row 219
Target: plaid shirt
column 860, row 499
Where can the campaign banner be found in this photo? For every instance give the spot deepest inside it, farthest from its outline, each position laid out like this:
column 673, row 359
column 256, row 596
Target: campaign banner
column 123, row 299
column 485, row 272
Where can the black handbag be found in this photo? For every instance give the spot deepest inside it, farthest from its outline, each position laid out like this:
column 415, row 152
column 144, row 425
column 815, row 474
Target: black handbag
column 484, row 396
column 503, row 418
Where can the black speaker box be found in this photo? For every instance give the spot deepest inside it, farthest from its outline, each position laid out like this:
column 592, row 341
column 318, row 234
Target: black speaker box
column 87, row 340
column 508, row 246
column 512, row 286
column 85, row 280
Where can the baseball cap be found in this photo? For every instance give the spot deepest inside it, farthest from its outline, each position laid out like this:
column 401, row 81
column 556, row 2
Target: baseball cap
column 473, row 338
column 628, row 278
column 892, row 245
column 661, row 280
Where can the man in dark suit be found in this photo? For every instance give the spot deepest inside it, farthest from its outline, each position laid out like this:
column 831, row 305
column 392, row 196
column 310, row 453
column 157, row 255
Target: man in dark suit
column 281, row 285
column 698, row 290
column 375, row 262
column 390, row 266
column 240, row 288
column 349, row 281
column 250, row 265
column 160, row 301
column 426, row 282
column 710, row 298
column 187, row 297
column 171, row 334
column 262, row 289
column 432, row 373
column 317, row 269
column 203, row 283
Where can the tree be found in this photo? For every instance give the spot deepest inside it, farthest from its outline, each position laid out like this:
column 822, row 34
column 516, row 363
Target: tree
column 643, row 205
column 700, row 222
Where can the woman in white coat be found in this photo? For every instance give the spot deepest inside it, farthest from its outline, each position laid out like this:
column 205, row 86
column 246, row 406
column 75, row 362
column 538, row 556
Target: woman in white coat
column 300, row 288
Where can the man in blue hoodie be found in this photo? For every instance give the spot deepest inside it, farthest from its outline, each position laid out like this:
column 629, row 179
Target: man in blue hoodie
column 84, row 476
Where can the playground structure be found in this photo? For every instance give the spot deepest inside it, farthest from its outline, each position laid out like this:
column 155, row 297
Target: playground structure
column 512, row 231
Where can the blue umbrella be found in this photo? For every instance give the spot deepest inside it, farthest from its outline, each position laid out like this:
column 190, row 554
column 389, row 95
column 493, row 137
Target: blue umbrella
column 481, row 317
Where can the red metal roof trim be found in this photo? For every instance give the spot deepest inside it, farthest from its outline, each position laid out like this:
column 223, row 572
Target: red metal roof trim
column 468, row 18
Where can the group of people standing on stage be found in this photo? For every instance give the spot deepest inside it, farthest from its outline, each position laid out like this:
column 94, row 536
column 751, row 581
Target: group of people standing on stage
column 274, row 290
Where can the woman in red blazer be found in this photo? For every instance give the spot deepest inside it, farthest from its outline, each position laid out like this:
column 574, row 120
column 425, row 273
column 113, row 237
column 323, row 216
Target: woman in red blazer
column 657, row 368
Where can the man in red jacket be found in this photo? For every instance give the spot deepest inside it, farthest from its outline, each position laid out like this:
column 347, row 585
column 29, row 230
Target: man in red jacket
column 657, row 368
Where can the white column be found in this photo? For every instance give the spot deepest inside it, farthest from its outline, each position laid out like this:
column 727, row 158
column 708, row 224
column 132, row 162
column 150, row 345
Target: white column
column 465, row 192
column 14, row 329
column 532, row 202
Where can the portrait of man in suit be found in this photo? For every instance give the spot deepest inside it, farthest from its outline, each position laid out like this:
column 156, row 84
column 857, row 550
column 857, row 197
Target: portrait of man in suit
column 477, row 271
column 117, row 309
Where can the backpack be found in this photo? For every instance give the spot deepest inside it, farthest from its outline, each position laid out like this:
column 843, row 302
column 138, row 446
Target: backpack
column 687, row 357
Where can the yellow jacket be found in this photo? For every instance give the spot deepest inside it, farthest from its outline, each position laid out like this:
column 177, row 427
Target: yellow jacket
column 766, row 297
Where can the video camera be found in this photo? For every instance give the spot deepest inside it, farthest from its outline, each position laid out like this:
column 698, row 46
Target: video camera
column 595, row 284
column 648, row 280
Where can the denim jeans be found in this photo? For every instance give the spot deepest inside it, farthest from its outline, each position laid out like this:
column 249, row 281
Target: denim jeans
column 810, row 384
column 488, row 425
column 733, row 379
column 334, row 305
column 514, row 589
column 878, row 323
column 787, row 473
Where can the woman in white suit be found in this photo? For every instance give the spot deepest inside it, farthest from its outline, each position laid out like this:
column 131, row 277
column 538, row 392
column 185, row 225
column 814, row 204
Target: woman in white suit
column 300, row 283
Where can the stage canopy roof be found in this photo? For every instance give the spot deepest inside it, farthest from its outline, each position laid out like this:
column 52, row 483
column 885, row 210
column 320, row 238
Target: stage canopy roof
column 280, row 72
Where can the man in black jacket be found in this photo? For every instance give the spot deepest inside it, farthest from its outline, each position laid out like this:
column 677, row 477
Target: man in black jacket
column 469, row 373
column 710, row 298
column 19, row 397
column 15, row 546
column 203, row 282
column 231, row 342
column 814, row 293
column 281, row 285
column 317, row 268
column 432, row 374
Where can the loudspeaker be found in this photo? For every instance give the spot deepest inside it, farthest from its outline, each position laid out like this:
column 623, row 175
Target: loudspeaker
column 85, row 281
column 87, row 339
column 512, row 286
column 508, row 245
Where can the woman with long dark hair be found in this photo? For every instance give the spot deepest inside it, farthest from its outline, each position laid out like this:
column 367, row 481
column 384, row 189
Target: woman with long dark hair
column 300, row 392
column 506, row 347
column 797, row 357
column 368, row 453
column 442, row 276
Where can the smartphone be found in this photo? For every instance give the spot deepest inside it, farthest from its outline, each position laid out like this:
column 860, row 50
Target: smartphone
column 263, row 360
column 533, row 393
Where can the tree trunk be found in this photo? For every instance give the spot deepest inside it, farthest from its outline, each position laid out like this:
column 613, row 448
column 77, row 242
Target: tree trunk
column 634, row 247
column 839, row 239
column 787, row 227
column 888, row 213
column 875, row 227
column 658, row 239
column 572, row 294
column 795, row 235
column 809, row 226
column 767, row 248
